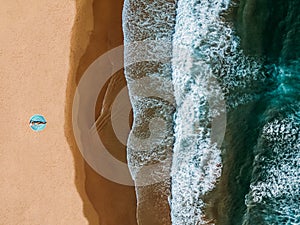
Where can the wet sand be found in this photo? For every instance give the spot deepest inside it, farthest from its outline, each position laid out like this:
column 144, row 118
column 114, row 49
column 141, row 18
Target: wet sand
column 98, row 29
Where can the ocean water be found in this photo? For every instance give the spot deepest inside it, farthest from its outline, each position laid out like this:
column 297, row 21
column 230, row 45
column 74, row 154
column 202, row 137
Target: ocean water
column 227, row 92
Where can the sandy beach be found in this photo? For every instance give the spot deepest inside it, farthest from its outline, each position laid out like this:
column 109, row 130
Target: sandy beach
column 45, row 48
column 37, row 169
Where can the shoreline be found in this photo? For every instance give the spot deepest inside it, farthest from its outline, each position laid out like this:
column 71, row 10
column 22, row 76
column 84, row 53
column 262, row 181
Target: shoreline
column 96, row 30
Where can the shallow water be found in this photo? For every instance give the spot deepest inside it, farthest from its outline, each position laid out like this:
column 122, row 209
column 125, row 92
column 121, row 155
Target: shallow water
column 150, row 142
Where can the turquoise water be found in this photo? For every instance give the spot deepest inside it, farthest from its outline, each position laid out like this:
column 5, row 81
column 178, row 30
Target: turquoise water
column 244, row 53
column 264, row 185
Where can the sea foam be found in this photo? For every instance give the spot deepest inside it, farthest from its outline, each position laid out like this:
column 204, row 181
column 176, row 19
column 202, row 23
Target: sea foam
column 208, row 68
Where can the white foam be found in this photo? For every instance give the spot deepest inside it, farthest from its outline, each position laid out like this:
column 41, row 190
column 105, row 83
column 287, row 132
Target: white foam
column 196, row 161
column 205, row 48
column 276, row 188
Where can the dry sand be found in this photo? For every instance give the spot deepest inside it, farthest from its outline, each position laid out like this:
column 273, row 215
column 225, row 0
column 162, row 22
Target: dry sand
column 44, row 179
column 36, row 169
